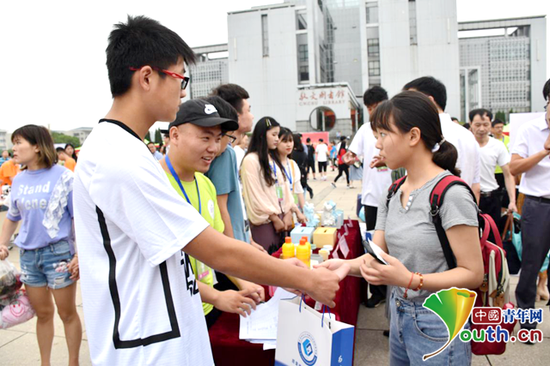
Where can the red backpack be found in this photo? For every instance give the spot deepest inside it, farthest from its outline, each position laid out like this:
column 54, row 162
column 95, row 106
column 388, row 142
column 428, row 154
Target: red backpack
column 495, row 289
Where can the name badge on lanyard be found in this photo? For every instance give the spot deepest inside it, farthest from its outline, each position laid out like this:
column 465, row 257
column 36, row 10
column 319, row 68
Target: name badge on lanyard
column 278, row 188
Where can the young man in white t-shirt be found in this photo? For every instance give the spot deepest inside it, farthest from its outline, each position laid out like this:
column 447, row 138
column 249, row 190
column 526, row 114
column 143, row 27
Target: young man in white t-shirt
column 531, row 157
column 321, row 150
column 468, row 150
column 493, row 153
column 376, row 178
column 140, row 296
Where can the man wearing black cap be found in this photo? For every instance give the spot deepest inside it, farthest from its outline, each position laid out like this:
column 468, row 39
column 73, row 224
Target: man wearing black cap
column 195, row 138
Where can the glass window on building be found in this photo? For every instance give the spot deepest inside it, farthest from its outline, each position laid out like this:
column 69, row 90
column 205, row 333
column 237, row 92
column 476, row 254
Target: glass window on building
column 303, row 53
column 372, row 12
column 301, row 23
column 304, row 73
column 374, row 68
column 265, row 39
column 373, row 47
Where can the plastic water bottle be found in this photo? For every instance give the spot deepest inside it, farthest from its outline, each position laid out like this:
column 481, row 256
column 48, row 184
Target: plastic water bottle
column 303, row 253
column 288, row 248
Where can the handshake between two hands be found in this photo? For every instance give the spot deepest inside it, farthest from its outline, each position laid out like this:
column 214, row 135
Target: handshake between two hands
column 393, row 273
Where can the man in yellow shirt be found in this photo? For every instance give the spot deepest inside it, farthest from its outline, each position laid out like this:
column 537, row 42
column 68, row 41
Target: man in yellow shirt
column 194, row 142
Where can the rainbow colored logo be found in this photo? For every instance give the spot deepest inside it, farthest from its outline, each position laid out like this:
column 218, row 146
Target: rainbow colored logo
column 453, row 306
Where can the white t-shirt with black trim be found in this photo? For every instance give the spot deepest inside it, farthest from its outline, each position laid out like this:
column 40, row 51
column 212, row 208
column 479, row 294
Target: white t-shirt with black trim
column 141, row 300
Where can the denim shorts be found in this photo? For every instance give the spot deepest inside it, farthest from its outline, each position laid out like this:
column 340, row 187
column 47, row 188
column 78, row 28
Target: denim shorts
column 47, row 266
column 416, row 331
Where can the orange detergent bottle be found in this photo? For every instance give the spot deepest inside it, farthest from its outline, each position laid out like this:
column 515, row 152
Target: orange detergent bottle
column 303, row 253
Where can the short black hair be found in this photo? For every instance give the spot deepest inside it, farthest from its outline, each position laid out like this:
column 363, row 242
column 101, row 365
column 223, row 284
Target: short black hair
column 59, row 149
column 466, row 126
column 374, row 95
column 454, row 119
column 308, row 140
column 497, row 122
column 481, row 112
column 321, row 140
column 140, row 42
column 232, row 94
column 430, row 86
column 546, row 90
column 412, row 109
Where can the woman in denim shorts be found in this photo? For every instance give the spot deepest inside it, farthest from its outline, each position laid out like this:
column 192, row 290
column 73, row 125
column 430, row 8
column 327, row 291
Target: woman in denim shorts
column 409, row 135
column 41, row 198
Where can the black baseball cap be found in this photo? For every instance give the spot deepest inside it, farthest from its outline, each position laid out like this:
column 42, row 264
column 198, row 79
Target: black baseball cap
column 201, row 113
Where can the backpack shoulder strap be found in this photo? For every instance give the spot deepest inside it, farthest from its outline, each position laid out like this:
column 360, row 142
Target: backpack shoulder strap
column 436, row 200
column 393, row 189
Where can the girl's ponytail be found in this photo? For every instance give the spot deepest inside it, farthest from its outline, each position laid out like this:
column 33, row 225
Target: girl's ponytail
column 445, row 156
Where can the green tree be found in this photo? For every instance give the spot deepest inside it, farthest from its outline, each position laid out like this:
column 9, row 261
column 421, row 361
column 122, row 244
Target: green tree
column 158, row 136
column 501, row 116
column 148, row 136
column 60, row 138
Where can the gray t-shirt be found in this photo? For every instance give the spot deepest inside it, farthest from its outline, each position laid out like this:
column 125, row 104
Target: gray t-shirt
column 410, row 233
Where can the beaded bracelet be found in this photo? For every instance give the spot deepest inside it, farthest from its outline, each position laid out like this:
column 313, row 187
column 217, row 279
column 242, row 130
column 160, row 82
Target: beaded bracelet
column 421, row 281
column 409, row 285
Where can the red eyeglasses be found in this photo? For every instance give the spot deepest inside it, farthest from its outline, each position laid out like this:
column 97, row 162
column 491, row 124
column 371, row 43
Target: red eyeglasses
column 184, row 79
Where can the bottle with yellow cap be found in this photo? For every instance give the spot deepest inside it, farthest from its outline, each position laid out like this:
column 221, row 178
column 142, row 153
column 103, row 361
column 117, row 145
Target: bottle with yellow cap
column 303, row 253
column 288, row 248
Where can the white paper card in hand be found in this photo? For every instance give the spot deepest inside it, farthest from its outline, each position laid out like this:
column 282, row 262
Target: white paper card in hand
column 377, row 250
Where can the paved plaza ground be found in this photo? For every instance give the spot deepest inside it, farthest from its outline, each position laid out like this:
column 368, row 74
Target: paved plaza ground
column 18, row 345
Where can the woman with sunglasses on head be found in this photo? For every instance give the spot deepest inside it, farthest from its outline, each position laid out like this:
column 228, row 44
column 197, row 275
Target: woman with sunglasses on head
column 267, row 196
column 409, row 135
column 42, row 199
column 291, row 169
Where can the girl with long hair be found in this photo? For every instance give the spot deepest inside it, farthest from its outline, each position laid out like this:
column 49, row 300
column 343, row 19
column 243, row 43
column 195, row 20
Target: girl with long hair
column 291, row 169
column 71, row 151
column 409, row 135
column 41, row 198
column 268, row 199
column 342, row 167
